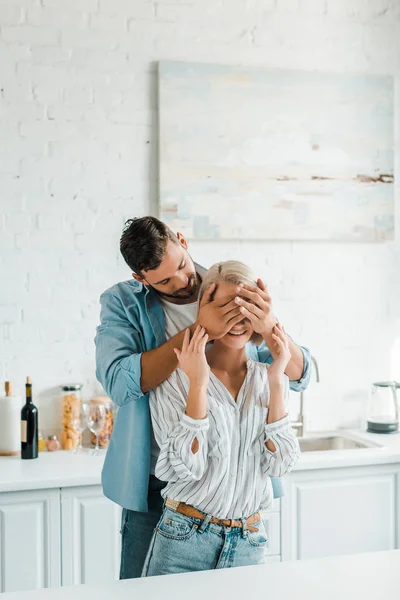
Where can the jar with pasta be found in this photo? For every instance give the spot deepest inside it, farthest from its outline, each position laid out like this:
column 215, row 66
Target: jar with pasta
column 71, row 398
column 104, row 435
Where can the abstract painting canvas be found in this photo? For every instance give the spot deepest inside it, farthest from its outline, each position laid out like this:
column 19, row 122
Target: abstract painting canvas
column 275, row 155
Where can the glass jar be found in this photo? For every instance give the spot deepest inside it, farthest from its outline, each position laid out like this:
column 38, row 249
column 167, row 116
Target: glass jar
column 71, row 398
column 105, row 433
column 41, row 442
column 52, row 443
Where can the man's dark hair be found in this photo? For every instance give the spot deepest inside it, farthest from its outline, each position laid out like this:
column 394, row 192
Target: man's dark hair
column 143, row 243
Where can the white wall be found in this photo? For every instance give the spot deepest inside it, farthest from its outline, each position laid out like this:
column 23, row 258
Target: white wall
column 79, row 156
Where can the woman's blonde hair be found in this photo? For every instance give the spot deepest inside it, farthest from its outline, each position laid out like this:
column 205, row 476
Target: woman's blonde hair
column 230, row 271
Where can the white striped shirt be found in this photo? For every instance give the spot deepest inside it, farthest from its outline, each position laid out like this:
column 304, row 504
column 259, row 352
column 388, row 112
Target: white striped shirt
column 229, row 476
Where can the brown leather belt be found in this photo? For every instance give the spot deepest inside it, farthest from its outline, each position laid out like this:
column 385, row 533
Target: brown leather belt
column 190, row 511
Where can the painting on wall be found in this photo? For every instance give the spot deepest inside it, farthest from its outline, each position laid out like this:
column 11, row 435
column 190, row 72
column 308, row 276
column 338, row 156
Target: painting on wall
column 275, row 155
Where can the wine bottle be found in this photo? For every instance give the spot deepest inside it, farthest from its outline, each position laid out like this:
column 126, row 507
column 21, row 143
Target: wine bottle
column 29, row 425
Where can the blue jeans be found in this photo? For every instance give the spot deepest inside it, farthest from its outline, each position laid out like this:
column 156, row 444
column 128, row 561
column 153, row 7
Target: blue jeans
column 183, row 544
column 137, row 529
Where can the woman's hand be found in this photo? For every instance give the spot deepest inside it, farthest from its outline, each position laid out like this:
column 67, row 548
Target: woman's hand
column 192, row 357
column 282, row 352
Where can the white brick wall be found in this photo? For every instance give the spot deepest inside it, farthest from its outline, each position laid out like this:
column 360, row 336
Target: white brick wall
column 78, row 156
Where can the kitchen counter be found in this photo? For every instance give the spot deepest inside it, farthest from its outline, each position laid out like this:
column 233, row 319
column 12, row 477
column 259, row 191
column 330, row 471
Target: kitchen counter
column 374, row 576
column 386, row 451
column 50, row 470
column 65, row 469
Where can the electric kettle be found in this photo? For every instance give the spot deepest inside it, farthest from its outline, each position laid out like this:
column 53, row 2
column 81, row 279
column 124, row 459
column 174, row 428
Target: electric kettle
column 383, row 411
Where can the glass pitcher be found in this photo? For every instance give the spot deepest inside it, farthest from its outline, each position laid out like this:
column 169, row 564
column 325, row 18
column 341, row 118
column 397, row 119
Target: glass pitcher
column 383, row 411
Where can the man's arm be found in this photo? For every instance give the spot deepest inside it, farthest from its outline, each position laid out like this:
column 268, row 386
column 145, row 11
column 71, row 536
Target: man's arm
column 118, row 352
column 158, row 364
column 124, row 369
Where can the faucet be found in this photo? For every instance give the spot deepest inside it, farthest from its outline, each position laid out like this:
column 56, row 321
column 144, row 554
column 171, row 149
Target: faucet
column 299, row 424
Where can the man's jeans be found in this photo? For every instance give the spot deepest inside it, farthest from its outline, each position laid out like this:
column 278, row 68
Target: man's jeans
column 184, row 544
column 137, row 530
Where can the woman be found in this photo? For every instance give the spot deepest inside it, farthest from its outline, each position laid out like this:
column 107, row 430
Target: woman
column 222, row 427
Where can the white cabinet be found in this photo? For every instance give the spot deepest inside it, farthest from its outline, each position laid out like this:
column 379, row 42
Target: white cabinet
column 29, row 540
column 71, row 535
column 339, row 511
column 90, row 536
column 54, row 537
column 272, row 525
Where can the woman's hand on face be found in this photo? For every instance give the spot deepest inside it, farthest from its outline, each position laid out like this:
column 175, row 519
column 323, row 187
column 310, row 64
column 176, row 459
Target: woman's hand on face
column 192, row 357
column 282, row 350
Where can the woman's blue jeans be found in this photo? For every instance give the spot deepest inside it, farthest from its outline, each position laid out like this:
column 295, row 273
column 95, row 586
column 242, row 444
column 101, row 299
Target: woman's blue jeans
column 183, row 544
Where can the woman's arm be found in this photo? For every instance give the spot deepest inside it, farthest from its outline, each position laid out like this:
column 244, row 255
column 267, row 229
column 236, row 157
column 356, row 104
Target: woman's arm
column 180, row 426
column 286, row 446
column 276, row 379
column 193, row 361
column 196, row 407
column 176, row 432
column 282, row 447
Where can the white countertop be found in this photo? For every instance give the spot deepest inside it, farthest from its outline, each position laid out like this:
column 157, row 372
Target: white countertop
column 66, row 469
column 50, row 470
column 386, row 451
column 374, row 576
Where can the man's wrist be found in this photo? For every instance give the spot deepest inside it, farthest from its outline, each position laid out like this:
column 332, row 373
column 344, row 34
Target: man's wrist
column 269, row 340
column 192, row 328
column 270, row 326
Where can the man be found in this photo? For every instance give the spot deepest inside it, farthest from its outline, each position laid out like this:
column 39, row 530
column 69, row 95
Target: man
column 142, row 321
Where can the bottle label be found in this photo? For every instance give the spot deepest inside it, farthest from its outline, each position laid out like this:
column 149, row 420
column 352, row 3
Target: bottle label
column 23, row 431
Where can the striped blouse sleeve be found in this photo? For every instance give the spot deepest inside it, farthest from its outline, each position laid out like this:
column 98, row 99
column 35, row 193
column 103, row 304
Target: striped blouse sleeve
column 282, row 461
column 175, row 433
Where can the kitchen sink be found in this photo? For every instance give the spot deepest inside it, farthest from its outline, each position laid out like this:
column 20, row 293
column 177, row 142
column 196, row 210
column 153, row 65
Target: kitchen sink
column 333, row 442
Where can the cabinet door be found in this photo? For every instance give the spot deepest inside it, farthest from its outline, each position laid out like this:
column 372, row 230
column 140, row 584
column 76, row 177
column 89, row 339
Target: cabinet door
column 272, row 528
column 29, row 540
column 339, row 511
column 90, row 536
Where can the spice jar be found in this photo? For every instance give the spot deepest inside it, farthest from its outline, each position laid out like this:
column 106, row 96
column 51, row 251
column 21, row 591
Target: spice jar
column 52, row 443
column 70, row 401
column 105, row 433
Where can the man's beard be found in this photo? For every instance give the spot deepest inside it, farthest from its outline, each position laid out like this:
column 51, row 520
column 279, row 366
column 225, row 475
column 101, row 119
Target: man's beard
column 187, row 292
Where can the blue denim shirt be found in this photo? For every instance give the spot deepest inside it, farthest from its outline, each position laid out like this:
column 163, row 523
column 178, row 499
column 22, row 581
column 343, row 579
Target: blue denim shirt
column 132, row 322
